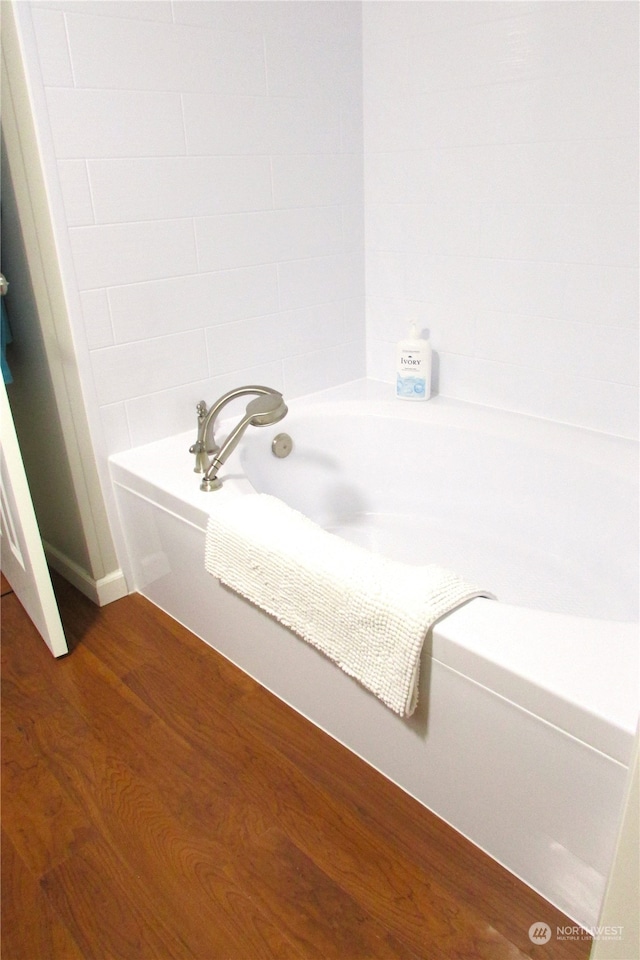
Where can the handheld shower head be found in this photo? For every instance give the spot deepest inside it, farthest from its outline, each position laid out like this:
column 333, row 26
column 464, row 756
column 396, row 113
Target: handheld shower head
column 263, row 411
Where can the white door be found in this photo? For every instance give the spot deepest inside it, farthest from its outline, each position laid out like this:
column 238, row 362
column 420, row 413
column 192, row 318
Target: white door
column 22, row 555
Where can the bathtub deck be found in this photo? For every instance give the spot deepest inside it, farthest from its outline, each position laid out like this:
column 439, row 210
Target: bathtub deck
column 158, row 803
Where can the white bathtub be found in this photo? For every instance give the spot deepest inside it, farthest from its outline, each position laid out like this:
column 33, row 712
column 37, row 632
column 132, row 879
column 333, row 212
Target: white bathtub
column 529, row 705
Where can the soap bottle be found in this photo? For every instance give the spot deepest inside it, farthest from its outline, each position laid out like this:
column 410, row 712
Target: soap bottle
column 413, row 367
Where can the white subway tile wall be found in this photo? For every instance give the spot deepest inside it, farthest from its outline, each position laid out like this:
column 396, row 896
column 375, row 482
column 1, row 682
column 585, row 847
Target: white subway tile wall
column 209, row 159
column 88, row 124
column 240, row 179
column 501, row 201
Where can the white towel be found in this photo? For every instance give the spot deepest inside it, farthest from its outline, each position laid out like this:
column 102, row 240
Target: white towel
column 368, row 614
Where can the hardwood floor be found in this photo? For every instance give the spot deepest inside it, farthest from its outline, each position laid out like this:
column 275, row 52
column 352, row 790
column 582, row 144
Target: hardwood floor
column 159, row 804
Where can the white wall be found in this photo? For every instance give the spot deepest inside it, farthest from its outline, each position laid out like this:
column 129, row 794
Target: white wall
column 501, row 188
column 205, row 164
column 208, row 159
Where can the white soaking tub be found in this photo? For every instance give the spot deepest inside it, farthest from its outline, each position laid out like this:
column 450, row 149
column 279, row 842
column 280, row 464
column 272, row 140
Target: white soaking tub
column 528, row 704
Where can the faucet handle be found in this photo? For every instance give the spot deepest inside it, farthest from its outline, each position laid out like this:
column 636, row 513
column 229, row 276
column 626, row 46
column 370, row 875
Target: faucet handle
column 199, row 448
column 202, row 461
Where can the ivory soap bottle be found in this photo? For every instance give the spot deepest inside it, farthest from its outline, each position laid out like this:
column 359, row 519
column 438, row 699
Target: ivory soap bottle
column 413, row 367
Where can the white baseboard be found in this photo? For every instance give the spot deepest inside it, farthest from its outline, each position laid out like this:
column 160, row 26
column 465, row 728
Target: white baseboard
column 102, row 591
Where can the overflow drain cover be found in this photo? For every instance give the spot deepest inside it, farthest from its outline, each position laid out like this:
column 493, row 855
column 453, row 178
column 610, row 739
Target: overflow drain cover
column 282, row 445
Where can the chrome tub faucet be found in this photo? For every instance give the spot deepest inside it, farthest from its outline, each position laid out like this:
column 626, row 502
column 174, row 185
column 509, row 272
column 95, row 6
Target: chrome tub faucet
column 266, row 408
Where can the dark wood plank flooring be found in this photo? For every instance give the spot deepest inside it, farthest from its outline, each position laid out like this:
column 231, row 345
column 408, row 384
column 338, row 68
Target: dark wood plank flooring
column 159, row 804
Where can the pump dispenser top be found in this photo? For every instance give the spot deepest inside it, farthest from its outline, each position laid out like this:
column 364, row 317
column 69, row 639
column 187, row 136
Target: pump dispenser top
column 413, row 367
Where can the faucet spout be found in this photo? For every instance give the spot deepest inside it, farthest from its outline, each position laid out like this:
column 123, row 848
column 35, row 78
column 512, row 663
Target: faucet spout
column 266, row 408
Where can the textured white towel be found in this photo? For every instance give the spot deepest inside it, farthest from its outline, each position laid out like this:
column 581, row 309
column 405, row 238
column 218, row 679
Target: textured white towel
column 368, row 614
